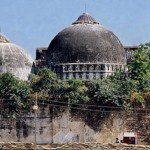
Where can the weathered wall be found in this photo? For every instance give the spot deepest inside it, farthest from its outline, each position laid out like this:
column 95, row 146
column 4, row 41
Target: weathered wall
column 62, row 128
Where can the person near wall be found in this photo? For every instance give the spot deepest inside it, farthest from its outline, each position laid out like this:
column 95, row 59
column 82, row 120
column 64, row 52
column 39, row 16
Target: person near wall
column 117, row 140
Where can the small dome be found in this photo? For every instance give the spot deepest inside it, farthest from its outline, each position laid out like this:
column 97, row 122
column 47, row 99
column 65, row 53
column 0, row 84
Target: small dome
column 3, row 39
column 85, row 18
column 13, row 59
column 86, row 41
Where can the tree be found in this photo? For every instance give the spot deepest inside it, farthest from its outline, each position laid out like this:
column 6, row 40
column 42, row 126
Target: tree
column 45, row 83
column 14, row 94
column 75, row 92
column 139, row 67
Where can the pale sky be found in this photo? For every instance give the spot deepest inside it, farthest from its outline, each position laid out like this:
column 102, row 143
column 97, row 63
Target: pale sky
column 34, row 23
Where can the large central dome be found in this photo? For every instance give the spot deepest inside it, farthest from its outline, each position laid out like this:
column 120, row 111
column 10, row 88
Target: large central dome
column 86, row 41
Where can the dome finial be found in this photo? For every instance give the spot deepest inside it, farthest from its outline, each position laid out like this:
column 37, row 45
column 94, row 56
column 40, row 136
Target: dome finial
column 85, row 18
column 3, row 39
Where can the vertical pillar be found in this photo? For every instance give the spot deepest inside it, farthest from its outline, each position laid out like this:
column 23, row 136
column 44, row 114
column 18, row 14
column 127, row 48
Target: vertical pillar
column 90, row 75
column 64, row 75
column 70, row 75
column 84, row 76
column 77, row 75
column 83, row 69
column 105, row 71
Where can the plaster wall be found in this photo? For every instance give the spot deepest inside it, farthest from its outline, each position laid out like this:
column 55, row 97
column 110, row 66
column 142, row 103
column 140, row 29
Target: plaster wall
column 60, row 129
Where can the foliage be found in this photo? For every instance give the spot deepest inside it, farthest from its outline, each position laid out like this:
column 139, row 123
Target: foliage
column 120, row 89
column 139, row 67
column 14, row 94
column 50, row 87
column 76, row 92
column 45, row 83
column 137, row 97
column 113, row 91
column 107, row 92
column 43, row 80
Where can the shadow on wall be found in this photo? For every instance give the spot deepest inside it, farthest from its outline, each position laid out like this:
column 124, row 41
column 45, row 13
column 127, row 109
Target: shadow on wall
column 93, row 119
column 22, row 127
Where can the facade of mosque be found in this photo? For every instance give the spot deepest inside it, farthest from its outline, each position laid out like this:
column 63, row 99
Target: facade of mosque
column 86, row 50
column 14, row 60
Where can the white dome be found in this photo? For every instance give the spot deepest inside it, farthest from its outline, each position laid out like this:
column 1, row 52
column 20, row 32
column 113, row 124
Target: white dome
column 14, row 60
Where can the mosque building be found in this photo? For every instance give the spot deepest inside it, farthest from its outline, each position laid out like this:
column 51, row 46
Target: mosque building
column 14, row 60
column 85, row 50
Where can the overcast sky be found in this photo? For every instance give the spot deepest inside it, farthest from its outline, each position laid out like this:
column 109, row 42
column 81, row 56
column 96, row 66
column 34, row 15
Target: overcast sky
column 34, row 23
